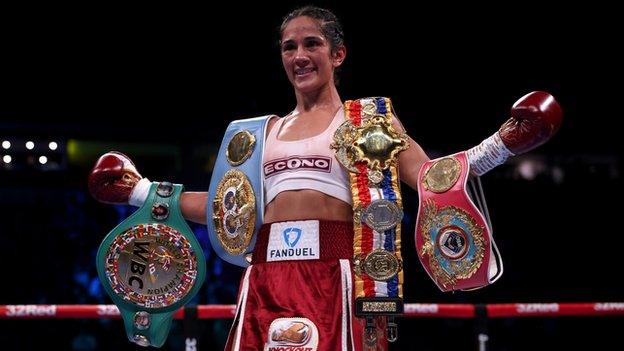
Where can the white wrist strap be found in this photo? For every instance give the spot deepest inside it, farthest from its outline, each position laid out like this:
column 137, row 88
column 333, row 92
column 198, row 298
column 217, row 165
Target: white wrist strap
column 487, row 155
column 140, row 192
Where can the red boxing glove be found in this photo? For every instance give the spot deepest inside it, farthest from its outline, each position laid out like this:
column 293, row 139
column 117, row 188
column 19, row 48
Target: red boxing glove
column 535, row 118
column 113, row 178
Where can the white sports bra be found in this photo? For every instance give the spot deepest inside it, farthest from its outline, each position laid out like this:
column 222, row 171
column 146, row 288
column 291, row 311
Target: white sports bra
column 305, row 164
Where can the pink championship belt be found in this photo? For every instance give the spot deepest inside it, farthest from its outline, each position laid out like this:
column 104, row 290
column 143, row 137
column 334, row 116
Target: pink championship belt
column 453, row 239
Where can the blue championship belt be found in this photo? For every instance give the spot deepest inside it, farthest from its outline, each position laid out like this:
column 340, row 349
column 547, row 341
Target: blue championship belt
column 235, row 207
column 151, row 265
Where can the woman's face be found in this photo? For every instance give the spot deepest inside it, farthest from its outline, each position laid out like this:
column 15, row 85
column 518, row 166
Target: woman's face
column 307, row 56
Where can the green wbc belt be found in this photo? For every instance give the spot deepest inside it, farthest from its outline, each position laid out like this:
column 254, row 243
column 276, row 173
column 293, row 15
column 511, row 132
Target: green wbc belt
column 151, row 264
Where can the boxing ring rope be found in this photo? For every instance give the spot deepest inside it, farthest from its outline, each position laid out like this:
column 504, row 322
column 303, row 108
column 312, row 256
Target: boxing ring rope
column 412, row 310
column 481, row 313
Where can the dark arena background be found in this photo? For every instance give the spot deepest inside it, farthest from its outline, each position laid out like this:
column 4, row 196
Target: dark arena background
column 160, row 83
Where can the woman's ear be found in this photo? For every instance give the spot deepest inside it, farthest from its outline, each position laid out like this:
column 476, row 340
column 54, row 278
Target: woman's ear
column 338, row 56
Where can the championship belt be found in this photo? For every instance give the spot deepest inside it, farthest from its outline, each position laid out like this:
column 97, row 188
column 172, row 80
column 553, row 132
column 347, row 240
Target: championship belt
column 235, row 208
column 453, row 234
column 151, row 265
column 367, row 146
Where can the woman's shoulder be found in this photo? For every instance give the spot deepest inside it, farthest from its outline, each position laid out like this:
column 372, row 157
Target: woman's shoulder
column 271, row 123
column 274, row 119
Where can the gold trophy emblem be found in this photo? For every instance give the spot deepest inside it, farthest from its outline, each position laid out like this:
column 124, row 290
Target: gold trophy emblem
column 374, row 143
column 234, row 209
column 442, row 175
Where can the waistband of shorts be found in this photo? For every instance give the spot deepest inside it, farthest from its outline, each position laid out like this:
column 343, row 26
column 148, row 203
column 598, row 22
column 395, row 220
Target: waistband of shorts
column 335, row 241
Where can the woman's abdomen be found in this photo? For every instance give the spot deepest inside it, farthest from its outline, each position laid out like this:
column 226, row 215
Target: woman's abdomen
column 306, row 204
